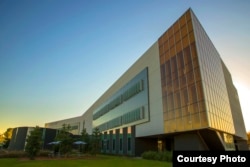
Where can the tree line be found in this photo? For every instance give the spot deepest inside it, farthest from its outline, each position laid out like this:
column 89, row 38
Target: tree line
column 65, row 141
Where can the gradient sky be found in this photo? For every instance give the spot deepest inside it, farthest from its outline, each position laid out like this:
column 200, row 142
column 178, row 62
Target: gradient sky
column 57, row 57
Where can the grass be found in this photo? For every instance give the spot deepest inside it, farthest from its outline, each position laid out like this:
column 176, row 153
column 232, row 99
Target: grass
column 100, row 160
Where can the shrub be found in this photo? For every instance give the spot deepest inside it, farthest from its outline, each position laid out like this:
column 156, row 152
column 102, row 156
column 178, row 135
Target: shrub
column 160, row 156
column 13, row 154
column 44, row 153
column 148, row 155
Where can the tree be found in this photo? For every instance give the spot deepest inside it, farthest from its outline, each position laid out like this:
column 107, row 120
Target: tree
column 7, row 136
column 95, row 141
column 34, row 142
column 65, row 139
column 2, row 139
column 86, row 139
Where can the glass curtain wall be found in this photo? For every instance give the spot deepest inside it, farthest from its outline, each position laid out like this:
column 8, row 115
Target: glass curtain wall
column 183, row 98
column 214, row 83
column 193, row 84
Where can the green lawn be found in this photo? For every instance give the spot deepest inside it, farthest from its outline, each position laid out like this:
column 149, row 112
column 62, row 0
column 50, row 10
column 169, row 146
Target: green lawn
column 100, row 160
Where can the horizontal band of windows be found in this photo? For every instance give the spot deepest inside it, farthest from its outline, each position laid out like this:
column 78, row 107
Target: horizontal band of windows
column 129, row 117
column 133, row 90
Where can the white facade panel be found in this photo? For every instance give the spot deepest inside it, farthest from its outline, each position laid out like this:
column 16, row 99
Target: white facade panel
column 155, row 124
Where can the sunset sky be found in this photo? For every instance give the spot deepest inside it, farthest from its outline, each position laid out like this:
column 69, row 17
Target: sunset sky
column 57, row 57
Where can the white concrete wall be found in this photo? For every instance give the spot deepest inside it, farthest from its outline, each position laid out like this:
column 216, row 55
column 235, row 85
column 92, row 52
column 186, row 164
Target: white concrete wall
column 71, row 121
column 149, row 59
column 155, row 124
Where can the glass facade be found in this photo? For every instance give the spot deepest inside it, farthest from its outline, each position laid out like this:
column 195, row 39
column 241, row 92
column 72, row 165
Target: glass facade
column 214, row 83
column 238, row 120
column 193, row 84
column 183, row 97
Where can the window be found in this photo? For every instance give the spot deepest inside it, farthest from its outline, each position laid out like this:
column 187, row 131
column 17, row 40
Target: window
column 120, row 144
column 129, row 144
column 107, row 144
column 113, row 144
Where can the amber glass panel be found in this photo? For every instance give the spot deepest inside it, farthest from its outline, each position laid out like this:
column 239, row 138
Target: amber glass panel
column 197, row 74
column 182, row 21
column 187, row 123
column 203, row 117
column 192, row 93
column 190, row 26
column 180, row 61
column 171, row 41
column 190, row 77
column 173, row 125
column 172, row 51
column 199, row 91
column 195, row 62
column 188, row 16
column 169, row 78
column 183, row 81
column 177, row 36
column 178, row 113
column 166, row 46
column 176, row 26
column 178, row 46
column 179, row 124
column 191, row 108
column 173, row 64
column 167, row 55
column 168, row 67
column 161, row 50
column 188, row 68
column 163, row 71
column 184, row 31
column 196, row 120
column 160, row 40
column 177, row 100
column 171, row 114
column 196, row 107
column 170, row 31
column 185, row 111
column 170, row 102
column 187, row 55
column 176, row 84
column 165, row 37
column 175, row 75
column 191, row 36
column 162, row 59
column 193, row 50
column 185, row 41
column 184, row 97
column 181, row 72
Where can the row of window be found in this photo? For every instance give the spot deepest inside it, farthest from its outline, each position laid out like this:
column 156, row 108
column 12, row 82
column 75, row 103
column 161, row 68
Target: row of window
column 129, row 117
column 106, row 144
column 133, row 90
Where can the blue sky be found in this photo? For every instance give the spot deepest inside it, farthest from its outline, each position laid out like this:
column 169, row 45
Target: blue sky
column 57, row 57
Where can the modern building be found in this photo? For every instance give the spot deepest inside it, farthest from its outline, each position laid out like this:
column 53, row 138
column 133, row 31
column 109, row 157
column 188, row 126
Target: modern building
column 20, row 134
column 178, row 95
